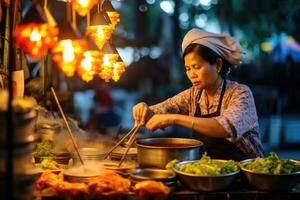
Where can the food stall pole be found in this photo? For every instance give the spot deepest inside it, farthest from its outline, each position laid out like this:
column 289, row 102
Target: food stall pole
column 9, row 146
column 45, row 77
column 67, row 124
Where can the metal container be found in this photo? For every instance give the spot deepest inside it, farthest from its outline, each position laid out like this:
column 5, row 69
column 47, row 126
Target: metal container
column 89, row 154
column 118, row 153
column 81, row 175
column 47, row 131
column 24, row 125
column 157, row 152
column 204, row 183
column 271, row 181
column 166, row 176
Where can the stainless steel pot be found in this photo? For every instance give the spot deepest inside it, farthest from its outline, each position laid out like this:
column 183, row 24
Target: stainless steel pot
column 89, row 154
column 157, row 152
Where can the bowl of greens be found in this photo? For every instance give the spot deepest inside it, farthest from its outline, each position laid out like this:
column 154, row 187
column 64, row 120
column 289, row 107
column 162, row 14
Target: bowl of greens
column 271, row 173
column 45, row 150
column 206, row 174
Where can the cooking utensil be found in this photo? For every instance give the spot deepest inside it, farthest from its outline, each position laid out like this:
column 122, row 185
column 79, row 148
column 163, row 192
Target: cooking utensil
column 118, row 153
column 130, row 142
column 132, row 133
column 90, row 154
column 81, row 175
column 166, row 176
column 157, row 152
column 67, row 124
column 271, row 181
column 119, row 143
column 204, row 183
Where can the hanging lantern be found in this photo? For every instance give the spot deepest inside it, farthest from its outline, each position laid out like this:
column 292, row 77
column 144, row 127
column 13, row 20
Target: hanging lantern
column 119, row 69
column 82, row 7
column 91, row 64
column 100, row 29
column 67, row 53
column 114, row 16
column 110, row 57
column 36, row 34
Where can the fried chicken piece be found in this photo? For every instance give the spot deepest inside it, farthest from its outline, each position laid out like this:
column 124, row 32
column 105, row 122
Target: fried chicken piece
column 68, row 190
column 109, row 185
column 49, row 179
column 150, row 189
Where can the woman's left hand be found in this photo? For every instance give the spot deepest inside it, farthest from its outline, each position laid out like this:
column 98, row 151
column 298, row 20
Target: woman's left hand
column 160, row 121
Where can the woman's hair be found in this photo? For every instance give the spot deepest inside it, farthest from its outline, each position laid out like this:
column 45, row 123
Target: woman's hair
column 209, row 55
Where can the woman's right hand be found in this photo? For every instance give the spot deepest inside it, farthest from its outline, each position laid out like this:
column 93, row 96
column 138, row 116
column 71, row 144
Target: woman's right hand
column 141, row 114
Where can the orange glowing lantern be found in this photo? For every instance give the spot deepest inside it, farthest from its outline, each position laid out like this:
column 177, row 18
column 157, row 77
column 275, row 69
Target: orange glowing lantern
column 110, row 57
column 100, row 29
column 82, row 7
column 37, row 33
column 67, row 53
column 114, row 16
column 119, row 69
column 91, row 64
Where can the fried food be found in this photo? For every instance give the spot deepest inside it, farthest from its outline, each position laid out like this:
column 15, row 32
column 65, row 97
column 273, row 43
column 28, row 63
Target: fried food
column 70, row 191
column 109, row 184
column 49, row 179
column 150, row 189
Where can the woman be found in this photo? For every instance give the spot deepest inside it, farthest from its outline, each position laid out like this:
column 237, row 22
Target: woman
column 220, row 112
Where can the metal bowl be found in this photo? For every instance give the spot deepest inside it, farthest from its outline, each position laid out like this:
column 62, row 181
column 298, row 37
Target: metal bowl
column 82, row 174
column 271, row 181
column 62, row 158
column 89, row 154
column 157, row 152
column 166, row 176
column 204, row 183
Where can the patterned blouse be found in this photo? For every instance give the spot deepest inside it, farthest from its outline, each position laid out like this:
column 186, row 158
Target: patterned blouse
column 238, row 113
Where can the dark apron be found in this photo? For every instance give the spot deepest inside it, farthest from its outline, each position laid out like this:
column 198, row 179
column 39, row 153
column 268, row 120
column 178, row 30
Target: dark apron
column 218, row 148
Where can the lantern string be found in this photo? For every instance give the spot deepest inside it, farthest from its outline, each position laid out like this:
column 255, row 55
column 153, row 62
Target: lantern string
column 87, row 20
column 68, row 12
column 73, row 15
column 99, row 6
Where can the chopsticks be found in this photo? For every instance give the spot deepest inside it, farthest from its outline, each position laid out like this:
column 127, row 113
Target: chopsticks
column 132, row 133
column 130, row 142
column 67, row 124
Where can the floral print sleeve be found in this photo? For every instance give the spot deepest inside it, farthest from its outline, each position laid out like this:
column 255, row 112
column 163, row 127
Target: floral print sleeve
column 178, row 104
column 240, row 115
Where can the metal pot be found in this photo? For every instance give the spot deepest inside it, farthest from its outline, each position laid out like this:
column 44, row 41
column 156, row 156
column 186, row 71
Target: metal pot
column 157, row 152
column 83, row 174
column 89, row 154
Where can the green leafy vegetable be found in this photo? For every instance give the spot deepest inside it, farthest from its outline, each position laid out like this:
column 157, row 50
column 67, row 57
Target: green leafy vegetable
column 272, row 165
column 170, row 164
column 209, row 167
column 44, row 149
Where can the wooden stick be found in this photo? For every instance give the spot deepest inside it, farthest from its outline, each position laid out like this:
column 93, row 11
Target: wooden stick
column 67, row 124
column 130, row 142
column 126, row 136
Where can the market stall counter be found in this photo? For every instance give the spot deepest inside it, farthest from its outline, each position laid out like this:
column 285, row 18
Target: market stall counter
column 238, row 190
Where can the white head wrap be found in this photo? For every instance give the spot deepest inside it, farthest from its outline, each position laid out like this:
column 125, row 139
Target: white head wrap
column 225, row 46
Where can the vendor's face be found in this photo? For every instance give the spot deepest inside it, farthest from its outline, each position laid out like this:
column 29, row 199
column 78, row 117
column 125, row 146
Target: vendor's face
column 201, row 73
